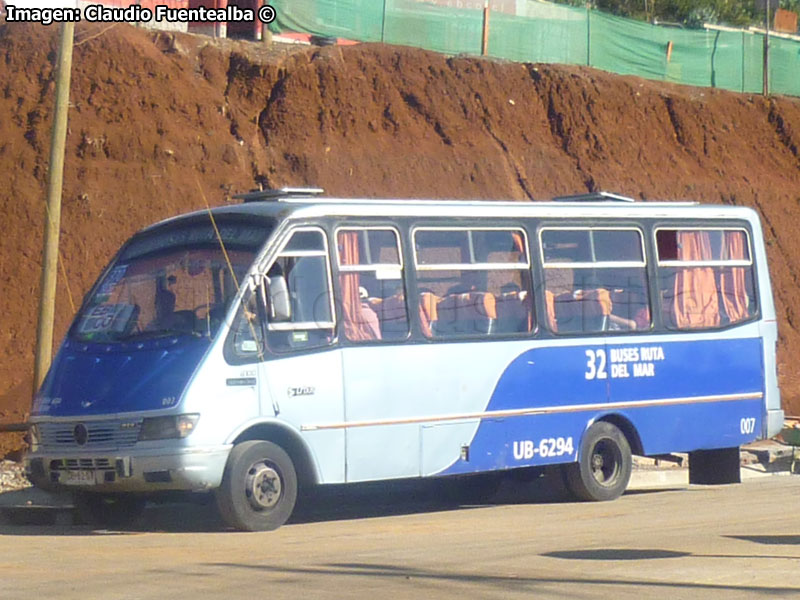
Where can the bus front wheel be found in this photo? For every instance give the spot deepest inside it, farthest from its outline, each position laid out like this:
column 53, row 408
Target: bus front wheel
column 259, row 487
column 604, row 464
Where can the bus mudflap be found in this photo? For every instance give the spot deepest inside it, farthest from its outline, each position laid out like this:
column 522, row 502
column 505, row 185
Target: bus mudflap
column 712, row 467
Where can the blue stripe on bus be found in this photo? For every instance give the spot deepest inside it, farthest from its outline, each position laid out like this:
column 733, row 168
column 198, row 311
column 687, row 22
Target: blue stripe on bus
column 559, row 377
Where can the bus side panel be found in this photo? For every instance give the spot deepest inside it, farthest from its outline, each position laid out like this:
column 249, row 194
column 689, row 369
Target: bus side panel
column 539, row 408
column 506, row 443
column 394, row 389
column 700, row 426
column 712, row 391
column 679, row 395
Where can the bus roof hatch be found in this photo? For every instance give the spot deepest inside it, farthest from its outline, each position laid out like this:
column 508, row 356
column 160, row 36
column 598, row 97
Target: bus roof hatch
column 275, row 195
column 594, row 197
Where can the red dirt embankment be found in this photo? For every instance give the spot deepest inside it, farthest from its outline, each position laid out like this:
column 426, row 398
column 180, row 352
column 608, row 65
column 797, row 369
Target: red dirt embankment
column 153, row 122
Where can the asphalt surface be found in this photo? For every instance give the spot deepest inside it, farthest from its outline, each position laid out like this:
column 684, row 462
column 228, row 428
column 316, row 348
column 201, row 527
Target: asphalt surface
column 737, row 541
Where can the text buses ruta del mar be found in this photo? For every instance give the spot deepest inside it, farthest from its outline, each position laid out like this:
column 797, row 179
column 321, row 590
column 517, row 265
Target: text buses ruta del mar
column 292, row 341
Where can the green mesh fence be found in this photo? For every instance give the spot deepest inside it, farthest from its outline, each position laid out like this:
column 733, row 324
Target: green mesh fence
column 753, row 61
column 541, row 32
column 542, row 35
column 353, row 19
column 449, row 30
column 784, row 66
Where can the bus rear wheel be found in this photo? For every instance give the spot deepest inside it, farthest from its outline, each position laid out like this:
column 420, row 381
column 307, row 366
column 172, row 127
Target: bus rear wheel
column 259, row 487
column 604, row 464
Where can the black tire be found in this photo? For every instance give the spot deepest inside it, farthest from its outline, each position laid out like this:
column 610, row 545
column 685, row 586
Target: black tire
column 604, row 464
column 321, row 40
column 259, row 487
column 108, row 510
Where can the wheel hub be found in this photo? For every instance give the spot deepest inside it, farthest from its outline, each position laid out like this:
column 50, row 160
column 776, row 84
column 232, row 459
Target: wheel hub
column 263, row 487
column 605, row 463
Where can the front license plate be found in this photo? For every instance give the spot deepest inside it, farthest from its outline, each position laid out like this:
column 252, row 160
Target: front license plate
column 79, row 478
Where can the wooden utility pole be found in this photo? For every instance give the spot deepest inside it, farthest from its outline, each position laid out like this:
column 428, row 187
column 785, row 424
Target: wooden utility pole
column 765, row 86
column 485, row 39
column 44, row 330
column 383, row 23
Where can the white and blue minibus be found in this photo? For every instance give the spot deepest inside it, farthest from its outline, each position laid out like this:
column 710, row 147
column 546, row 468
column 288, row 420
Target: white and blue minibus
column 294, row 341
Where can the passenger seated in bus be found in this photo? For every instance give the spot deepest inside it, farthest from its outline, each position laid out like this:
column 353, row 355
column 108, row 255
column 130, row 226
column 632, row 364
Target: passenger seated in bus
column 164, row 303
column 642, row 318
column 617, row 323
column 368, row 316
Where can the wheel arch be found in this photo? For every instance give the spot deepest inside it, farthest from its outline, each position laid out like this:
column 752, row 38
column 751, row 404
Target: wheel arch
column 292, row 444
column 627, row 428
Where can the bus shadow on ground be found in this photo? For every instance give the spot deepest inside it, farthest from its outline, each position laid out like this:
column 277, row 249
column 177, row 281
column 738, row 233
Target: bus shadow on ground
column 198, row 512
column 326, row 503
column 771, row 540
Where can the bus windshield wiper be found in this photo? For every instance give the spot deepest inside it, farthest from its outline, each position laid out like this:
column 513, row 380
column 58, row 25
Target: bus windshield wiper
column 149, row 335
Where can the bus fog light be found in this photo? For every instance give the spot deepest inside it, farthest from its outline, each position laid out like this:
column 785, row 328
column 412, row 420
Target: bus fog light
column 172, row 427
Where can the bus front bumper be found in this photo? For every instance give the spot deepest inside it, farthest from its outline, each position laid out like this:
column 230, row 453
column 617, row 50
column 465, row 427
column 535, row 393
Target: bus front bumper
column 185, row 469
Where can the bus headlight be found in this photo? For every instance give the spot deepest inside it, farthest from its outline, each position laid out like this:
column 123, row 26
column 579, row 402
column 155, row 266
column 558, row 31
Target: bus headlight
column 34, row 435
column 164, row 428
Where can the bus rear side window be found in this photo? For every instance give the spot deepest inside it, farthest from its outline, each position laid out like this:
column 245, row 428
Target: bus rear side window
column 705, row 277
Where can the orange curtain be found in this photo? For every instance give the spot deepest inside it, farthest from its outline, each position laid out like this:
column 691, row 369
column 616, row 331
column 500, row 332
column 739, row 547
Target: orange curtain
column 550, row 303
column 732, row 279
column 696, row 302
column 355, row 325
column 519, row 243
column 427, row 312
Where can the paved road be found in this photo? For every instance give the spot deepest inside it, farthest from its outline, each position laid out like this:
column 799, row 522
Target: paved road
column 696, row 542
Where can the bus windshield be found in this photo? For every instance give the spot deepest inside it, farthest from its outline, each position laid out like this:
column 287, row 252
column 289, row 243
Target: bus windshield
column 175, row 282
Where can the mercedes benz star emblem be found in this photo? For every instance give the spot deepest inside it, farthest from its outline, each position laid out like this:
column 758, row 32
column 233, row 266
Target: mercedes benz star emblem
column 80, row 433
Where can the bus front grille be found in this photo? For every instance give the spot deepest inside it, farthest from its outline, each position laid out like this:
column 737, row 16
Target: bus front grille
column 81, row 464
column 106, row 434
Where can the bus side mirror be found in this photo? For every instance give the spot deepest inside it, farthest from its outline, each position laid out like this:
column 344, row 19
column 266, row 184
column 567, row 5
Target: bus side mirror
column 280, row 305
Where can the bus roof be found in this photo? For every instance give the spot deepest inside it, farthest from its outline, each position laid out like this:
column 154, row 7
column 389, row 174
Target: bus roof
column 299, row 207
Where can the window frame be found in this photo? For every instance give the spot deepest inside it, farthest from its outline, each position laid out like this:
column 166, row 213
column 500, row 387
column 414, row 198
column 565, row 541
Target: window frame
column 361, row 268
column 398, row 267
column 702, row 263
column 325, row 252
column 525, row 267
column 644, row 264
column 518, row 266
column 751, row 264
column 606, row 264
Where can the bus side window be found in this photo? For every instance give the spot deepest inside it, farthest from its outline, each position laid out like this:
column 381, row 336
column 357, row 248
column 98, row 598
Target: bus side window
column 705, row 277
column 304, row 266
column 595, row 280
column 473, row 281
column 371, row 291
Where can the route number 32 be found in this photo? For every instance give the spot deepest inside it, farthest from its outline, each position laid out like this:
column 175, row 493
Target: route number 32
column 596, row 364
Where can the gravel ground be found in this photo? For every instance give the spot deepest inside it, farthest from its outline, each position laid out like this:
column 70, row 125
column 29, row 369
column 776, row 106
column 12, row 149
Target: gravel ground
column 12, row 476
